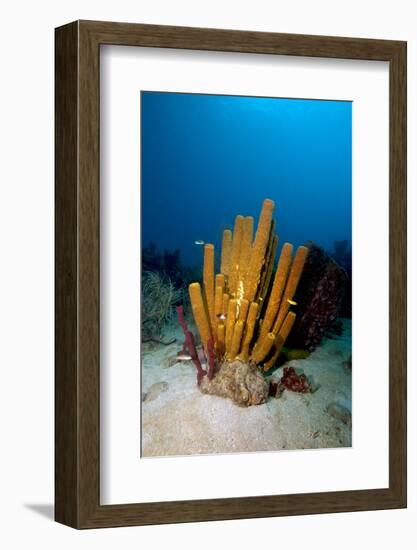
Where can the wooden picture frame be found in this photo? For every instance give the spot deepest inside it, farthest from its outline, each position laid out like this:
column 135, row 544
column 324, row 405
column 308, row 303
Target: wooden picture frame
column 77, row 382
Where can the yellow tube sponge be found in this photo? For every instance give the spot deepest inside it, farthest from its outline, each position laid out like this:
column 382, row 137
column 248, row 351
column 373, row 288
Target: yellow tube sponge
column 263, row 347
column 277, row 288
column 243, row 307
column 284, row 308
column 236, row 339
column 250, row 328
column 226, row 252
column 208, row 280
column 280, row 339
column 266, row 279
column 291, row 286
column 235, row 255
column 199, row 312
column 221, row 338
column 230, row 323
column 246, row 246
column 225, row 306
column 218, row 295
column 259, row 246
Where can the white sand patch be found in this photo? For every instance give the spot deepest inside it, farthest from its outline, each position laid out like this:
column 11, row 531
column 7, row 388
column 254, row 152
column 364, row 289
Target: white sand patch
column 177, row 419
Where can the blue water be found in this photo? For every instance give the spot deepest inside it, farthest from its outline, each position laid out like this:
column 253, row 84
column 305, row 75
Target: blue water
column 206, row 158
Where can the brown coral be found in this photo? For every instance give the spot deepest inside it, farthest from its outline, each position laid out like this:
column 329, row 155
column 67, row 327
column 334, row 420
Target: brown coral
column 238, row 381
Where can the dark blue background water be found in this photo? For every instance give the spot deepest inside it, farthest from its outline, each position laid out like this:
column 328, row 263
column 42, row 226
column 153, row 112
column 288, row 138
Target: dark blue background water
column 207, row 158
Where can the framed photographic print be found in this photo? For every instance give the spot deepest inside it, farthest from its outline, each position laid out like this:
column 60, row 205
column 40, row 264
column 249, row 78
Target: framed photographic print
column 230, row 274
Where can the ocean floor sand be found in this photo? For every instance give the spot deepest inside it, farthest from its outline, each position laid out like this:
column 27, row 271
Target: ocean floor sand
column 177, row 419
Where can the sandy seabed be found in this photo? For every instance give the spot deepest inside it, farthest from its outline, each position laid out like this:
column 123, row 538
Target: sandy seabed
column 177, row 419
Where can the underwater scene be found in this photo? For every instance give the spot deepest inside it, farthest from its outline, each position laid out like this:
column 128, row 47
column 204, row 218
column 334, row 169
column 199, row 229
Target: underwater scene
column 246, row 274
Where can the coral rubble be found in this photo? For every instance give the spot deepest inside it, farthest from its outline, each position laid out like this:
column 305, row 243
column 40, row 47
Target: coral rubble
column 243, row 314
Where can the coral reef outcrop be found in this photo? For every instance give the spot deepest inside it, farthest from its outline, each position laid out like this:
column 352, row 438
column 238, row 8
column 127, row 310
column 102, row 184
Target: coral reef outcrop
column 342, row 254
column 240, row 382
column 320, row 294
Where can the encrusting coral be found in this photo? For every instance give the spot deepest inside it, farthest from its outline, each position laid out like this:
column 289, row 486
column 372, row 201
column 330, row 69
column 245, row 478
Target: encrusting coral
column 240, row 382
column 292, row 381
column 242, row 315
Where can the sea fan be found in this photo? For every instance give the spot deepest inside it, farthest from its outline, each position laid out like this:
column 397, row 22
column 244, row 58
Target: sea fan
column 158, row 299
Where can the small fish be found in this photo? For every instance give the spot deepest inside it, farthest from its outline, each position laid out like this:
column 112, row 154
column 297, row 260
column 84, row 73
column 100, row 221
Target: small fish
column 292, row 303
column 183, row 357
column 200, row 243
column 221, row 317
